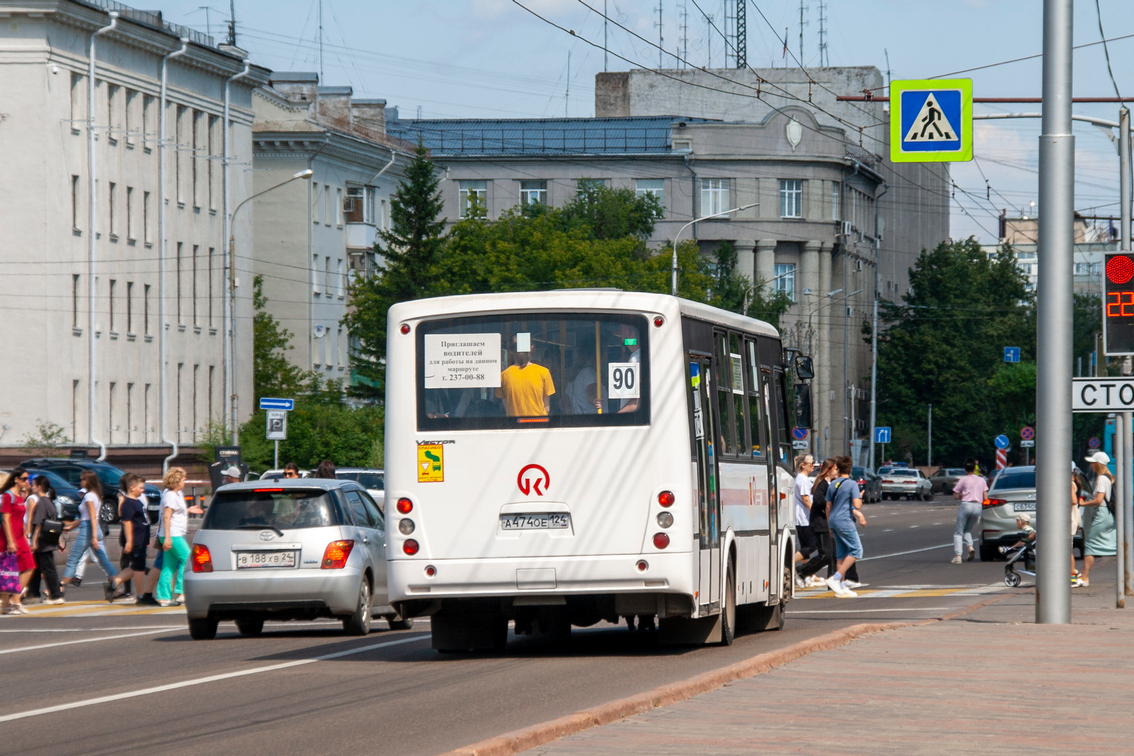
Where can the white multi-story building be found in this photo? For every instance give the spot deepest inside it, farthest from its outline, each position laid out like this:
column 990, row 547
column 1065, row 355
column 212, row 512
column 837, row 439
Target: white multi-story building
column 311, row 235
column 120, row 168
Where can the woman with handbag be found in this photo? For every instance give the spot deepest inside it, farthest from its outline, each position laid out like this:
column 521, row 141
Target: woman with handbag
column 1102, row 537
column 88, row 535
column 16, row 560
column 46, row 529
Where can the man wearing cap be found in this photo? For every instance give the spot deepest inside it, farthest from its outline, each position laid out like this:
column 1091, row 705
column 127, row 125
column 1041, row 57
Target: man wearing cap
column 231, row 474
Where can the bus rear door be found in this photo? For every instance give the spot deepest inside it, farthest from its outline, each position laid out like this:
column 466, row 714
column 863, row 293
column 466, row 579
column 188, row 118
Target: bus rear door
column 706, row 432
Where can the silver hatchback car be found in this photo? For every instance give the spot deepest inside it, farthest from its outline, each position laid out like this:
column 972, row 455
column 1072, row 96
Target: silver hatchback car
column 1013, row 492
column 289, row 550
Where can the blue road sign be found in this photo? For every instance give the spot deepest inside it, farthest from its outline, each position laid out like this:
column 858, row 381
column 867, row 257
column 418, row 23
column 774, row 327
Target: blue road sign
column 1011, row 354
column 276, row 404
column 1002, row 442
column 1093, row 442
column 882, row 435
column 799, row 434
column 931, row 120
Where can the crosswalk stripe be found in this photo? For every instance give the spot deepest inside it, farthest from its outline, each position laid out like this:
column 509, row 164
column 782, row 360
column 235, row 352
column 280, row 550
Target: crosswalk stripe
column 907, row 593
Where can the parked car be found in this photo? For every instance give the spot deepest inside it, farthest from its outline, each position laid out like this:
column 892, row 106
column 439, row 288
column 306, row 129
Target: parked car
column 945, row 479
column 69, row 469
column 370, row 478
column 276, row 475
column 67, row 496
column 906, row 481
column 1013, row 491
column 869, row 483
column 289, row 550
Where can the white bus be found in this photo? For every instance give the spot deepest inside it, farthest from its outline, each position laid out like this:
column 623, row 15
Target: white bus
column 562, row 458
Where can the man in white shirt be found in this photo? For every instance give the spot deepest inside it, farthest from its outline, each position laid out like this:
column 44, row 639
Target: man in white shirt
column 804, row 464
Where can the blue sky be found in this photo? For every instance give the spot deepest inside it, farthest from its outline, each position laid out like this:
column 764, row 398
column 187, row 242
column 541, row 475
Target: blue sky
column 462, row 58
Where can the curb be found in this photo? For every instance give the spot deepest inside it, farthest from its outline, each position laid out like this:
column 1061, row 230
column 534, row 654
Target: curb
column 665, row 695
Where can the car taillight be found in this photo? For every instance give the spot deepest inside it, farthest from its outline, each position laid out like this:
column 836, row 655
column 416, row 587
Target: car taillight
column 661, row 540
column 887, row 481
column 666, row 498
column 405, row 506
column 862, row 482
column 988, row 503
column 336, row 554
column 410, row 547
column 202, row 560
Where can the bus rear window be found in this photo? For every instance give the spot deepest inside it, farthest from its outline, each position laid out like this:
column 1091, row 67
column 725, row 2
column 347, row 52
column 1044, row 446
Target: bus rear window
column 533, row 370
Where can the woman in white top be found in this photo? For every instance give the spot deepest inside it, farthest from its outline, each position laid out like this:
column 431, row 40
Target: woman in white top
column 1101, row 537
column 174, row 525
column 88, row 536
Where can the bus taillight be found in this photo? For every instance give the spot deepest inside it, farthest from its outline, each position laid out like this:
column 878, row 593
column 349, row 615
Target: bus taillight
column 666, row 499
column 405, row 506
column 659, row 321
column 661, row 540
column 410, row 547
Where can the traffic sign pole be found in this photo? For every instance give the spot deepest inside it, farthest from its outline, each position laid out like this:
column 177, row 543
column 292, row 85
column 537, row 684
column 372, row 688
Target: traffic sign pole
column 1054, row 332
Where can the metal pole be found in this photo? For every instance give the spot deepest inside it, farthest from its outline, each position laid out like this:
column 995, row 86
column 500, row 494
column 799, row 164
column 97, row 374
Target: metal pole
column 929, row 453
column 1125, row 521
column 1054, row 332
column 276, row 463
column 1120, row 466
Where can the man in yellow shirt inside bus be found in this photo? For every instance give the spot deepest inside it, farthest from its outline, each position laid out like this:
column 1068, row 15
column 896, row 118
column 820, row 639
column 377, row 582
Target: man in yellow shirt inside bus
column 525, row 387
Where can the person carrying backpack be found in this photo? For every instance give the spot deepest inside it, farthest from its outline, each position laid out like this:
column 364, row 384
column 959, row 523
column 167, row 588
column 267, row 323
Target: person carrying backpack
column 1102, row 538
column 46, row 528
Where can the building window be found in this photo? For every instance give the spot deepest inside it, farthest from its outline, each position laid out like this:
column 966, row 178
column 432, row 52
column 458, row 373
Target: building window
column 836, row 200
column 131, row 123
column 110, row 414
column 714, row 196
column 129, row 213
column 327, row 275
column 327, row 204
column 339, row 208
column 112, row 190
column 212, row 261
column 194, row 417
column 314, row 203
column 655, row 187
column 212, row 373
column 111, row 113
column 589, row 185
column 146, row 309
column 74, row 409
column 473, row 193
column 342, row 279
column 75, row 203
column 533, row 192
column 148, row 128
column 791, row 198
column 315, row 274
column 130, row 413
column 354, row 206
column 146, row 218
column 129, row 308
column 75, row 300
column 179, row 150
column 77, row 101
column 195, row 148
column 177, row 426
column 785, row 279
column 145, row 413
column 180, row 320
column 212, row 149
column 193, row 287
column 113, row 284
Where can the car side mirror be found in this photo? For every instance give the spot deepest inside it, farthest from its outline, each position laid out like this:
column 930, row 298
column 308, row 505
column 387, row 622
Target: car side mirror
column 804, row 369
column 802, row 397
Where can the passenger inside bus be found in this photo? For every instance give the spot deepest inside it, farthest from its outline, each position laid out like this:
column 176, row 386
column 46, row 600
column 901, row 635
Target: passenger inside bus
column 582, row 396
column 525, row 387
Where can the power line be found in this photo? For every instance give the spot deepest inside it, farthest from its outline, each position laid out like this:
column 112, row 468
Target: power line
column 1106, row 52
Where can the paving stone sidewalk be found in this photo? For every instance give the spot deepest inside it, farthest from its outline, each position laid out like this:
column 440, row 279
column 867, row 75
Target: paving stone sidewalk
column 989, row 682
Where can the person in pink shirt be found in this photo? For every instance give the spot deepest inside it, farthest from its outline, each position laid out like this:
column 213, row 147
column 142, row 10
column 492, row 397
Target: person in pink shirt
column 970, row 491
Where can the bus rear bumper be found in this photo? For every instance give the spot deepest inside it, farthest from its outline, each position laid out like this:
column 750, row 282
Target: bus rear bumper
column 555, row 576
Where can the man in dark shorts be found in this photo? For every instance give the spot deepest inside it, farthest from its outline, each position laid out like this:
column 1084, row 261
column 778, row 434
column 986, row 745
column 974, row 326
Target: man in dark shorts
column 136, row 535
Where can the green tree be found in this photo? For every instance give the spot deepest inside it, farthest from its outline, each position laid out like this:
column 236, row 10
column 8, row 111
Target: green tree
column 600, row 212
column 412, row 249
column 732, row 290
column 347, row 436
column 272, row 373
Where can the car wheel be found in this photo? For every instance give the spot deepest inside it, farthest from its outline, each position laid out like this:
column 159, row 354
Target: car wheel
column 359, row 622
column 204, row 628
column 250, row 626
column 988, row 553
column 396, row 622
column 108, row 512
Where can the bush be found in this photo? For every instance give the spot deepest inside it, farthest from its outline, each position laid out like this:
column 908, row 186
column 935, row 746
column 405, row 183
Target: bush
column 348, row 436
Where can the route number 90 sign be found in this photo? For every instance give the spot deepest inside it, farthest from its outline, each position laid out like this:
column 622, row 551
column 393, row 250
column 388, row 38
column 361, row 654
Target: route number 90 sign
column 1118, row 304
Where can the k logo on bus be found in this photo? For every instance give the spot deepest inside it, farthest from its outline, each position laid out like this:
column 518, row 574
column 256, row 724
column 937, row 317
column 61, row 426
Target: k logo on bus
column 533, row 477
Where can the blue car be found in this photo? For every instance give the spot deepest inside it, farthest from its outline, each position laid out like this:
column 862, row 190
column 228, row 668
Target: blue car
column 69, row 469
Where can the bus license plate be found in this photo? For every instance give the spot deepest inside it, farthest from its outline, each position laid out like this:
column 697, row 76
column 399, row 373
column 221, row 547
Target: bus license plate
column 252, row 559
column 535, row 522
column 1024, row 506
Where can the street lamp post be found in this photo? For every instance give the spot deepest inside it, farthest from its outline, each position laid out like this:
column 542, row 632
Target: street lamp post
column 231, row 298
column 690, row 223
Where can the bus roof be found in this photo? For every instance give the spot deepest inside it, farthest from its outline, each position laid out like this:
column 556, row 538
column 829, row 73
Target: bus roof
column 576, row 299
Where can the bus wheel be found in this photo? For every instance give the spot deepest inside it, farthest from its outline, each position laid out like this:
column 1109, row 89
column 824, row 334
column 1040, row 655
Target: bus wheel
column 728, row 614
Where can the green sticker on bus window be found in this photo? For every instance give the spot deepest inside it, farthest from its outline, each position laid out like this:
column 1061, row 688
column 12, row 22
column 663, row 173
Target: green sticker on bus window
column 629, row 342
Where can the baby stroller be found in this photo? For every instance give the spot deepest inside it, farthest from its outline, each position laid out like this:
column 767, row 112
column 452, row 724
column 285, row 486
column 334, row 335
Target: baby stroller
column 1022, row 556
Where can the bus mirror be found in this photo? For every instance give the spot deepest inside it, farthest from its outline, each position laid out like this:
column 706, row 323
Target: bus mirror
column 802, row 396
column 804, row 369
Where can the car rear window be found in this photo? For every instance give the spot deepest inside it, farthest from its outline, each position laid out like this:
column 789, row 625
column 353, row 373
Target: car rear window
column 365, row 479
column 903, row 473
column 284, row 509
column 958, row 472
column 1010, row 479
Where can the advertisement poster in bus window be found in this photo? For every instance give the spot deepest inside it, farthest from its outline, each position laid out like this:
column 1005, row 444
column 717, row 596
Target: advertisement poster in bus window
column 737, row 373
column 431, row 463
column 463, row 360
column 622, row 380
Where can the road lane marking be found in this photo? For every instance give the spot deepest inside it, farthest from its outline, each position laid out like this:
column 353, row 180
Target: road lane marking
column 862, row 611
column 87, row 629
column 203, row 680
column 88, row 640
column 903, row 553
column 911, row 592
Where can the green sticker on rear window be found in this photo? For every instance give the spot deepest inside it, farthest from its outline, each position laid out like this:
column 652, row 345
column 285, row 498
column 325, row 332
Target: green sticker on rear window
column 629, row 342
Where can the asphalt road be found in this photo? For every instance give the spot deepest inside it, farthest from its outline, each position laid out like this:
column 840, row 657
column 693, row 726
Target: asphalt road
column 92, row 678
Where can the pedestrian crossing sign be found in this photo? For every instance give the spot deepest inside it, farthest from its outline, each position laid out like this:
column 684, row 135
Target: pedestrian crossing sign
column 931, row 121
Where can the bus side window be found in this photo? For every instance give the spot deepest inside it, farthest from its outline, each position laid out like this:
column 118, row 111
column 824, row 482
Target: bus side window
column 724, row 397
column 782, row 416
column 739, row 397
column 754, row 419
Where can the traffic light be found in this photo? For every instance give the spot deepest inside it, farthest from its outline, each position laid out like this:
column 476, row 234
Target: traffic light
column 1118, row 304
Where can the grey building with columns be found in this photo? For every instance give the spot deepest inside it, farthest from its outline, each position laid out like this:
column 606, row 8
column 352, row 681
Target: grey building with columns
column 832, row 223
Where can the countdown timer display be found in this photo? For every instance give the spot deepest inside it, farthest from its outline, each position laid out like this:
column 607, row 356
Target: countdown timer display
column 1118, row 304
